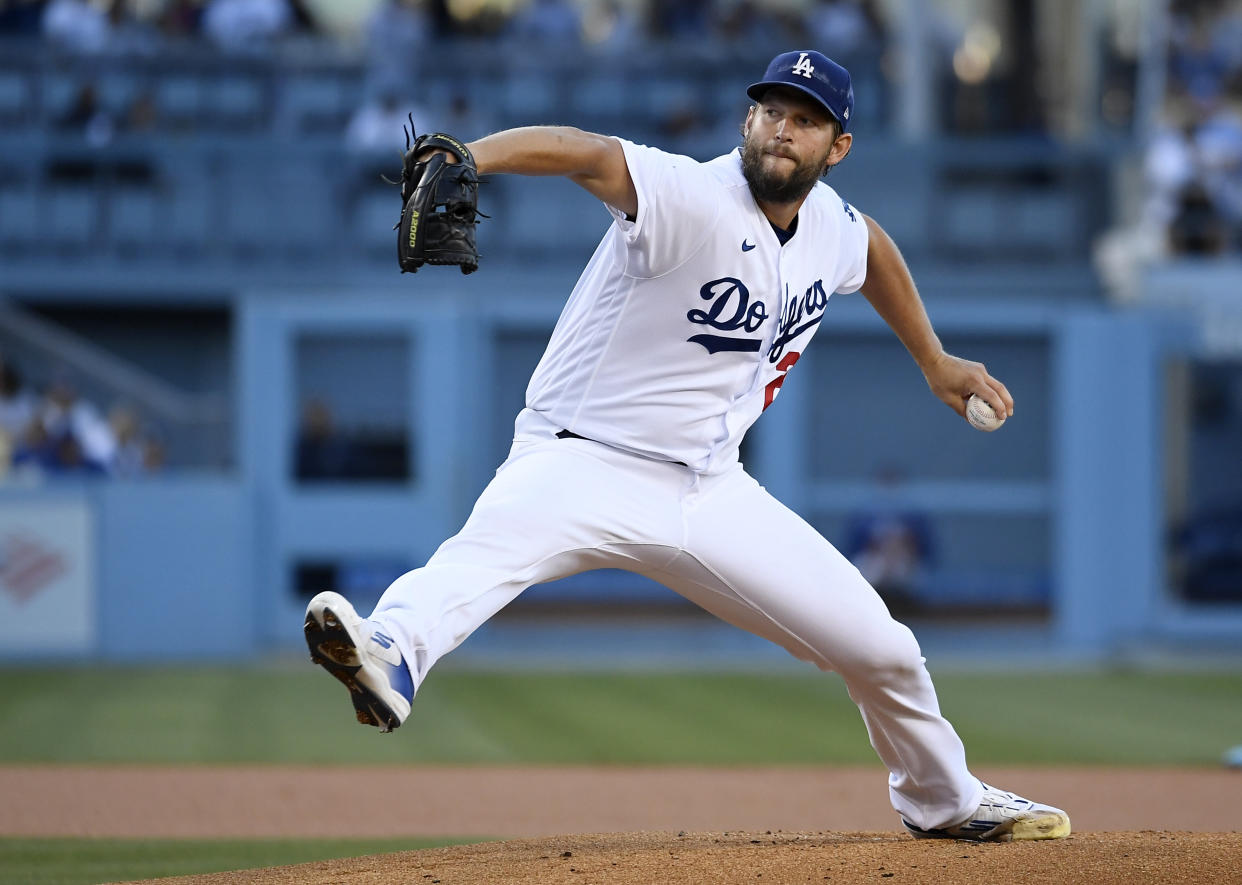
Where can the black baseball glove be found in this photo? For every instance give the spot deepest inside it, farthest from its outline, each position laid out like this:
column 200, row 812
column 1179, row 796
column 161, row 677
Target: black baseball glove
column 440, row 201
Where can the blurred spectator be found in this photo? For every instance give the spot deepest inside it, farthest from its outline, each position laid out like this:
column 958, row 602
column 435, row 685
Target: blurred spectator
column 376, row 127
column 394, row 34
column 246, row 25
column 679, row 19
column 302, row 17
column 1195, row 172
column 475, row 19
column 181, row 18
column 688, row 125
column 461, row 116
column 1209, row 547
column 21, row 17
column 745, row 22
column 322, row 452
column 548, row 21
column 59, row 453
column 143, row 113
column 375, row 130
column 76, row 25
column 154, row 455
column 18, row 405
column 839, row 27
column 65, row 414
column 1228, row 33
column 890, row 543
column 93, row 27
column 69, row 458
column 63, row 434
column 611, row 26
column 131, row 454
column 1198, row 64
column 129, row 35
column 1197, row 228
column 1219, row 144
column 87, row 118
column 1193, row 193
column 326, row 452
column 396, row 27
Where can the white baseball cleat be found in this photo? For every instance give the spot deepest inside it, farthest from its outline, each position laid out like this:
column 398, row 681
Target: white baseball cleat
column 368, row 663
column 1003, row 816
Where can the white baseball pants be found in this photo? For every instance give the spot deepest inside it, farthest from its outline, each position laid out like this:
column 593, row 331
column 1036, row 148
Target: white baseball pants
column 557, row 507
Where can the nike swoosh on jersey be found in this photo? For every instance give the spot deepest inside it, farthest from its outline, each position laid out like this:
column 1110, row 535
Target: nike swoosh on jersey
column 747, row 246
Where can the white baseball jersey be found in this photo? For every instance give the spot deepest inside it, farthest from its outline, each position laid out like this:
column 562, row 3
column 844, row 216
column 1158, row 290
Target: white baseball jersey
column 681, row 328
column 678, row 334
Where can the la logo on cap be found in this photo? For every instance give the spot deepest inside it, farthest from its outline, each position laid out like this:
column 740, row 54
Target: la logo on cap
column 803, row 66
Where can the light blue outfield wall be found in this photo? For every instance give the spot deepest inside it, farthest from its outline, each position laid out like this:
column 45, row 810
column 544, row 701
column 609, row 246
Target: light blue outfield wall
column 174, row 578
column 167, row 565
column 200, row 566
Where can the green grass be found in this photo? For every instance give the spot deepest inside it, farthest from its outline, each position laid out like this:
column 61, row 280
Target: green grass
column 286, row 715
column 90, row 861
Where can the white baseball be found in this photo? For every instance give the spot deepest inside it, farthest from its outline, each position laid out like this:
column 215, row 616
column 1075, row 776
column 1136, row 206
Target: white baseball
column 982, row 416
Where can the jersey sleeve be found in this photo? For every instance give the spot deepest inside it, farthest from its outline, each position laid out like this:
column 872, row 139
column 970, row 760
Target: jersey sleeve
column 677, row 209
column 854, row 242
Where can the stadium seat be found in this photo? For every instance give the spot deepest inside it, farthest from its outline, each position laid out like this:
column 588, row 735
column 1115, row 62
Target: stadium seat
column 1046, row 221
column 117, row 92
column 178, row 102
column 316, row 104
column 970, row 218
column 18, row 212
column 133, row 215
column 546, row 215
column 72, row 215
column 371, row 221
column 237, row 103
column 530, row 97
column 58, row 90
column 15, row 100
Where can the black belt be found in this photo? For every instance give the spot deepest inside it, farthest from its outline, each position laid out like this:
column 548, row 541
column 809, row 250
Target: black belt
column 569, row 434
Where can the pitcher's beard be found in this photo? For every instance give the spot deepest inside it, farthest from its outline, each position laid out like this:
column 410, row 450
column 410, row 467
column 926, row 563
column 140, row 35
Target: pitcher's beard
column 770, row 186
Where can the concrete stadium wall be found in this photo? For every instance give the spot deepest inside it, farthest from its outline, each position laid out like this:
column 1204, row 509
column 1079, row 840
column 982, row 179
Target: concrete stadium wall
column 191, row 566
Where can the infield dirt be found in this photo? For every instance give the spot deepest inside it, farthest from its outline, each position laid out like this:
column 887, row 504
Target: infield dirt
column 703, row 858
column 663, row 824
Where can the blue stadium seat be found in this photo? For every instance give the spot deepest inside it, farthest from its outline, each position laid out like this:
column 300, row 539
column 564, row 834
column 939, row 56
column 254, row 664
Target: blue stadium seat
column 133, row 215
column 178, row 101
column 254, row 209
column 237, row 102
column 186, row 212
column 117, row 92
column 545, row 215
column 58, row 90
column 970, row 218
column 1045, row 220
column 306, row 212
column 15, row 100
column 72, row 215
column 18, row 213
column 316, row 103
column 599, row 96
column 530, row 97
column 664, row 97
column 370, row 223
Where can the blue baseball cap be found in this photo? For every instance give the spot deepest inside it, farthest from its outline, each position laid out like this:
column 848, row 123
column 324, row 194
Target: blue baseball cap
column 815, row 74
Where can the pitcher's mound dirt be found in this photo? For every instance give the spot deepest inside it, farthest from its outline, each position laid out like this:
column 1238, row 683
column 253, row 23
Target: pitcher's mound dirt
column 766, row 858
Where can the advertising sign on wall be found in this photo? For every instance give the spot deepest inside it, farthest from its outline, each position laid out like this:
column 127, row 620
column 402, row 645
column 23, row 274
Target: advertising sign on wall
column 47, row 581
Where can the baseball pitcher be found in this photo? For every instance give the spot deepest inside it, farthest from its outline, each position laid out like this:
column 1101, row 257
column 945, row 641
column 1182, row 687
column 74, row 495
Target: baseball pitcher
column 699, row 300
